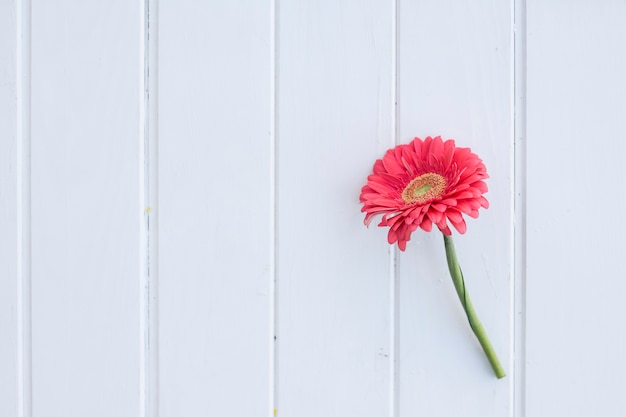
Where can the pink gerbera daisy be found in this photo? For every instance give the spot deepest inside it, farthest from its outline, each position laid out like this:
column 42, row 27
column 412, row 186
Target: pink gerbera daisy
column 422, row 183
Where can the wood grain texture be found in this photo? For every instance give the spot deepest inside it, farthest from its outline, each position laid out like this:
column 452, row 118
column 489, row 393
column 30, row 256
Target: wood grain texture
column 214, row 208
column 8, row 210
column 334, row 119
column 85, row 208
column 455, row 72
column 576, row 332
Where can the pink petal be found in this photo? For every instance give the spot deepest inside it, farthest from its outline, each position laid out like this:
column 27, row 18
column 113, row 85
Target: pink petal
column 460, row 226
column 435, row 216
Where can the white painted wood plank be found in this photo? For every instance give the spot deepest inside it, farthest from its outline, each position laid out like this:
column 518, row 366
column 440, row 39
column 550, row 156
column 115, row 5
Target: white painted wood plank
column 85, row 207
column 8, row 210
column 455, row 74
column 335, row 119
column 576, row 332
column 214, row 208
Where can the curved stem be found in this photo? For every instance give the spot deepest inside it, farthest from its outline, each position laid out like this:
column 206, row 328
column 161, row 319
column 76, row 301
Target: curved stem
column 466, row 302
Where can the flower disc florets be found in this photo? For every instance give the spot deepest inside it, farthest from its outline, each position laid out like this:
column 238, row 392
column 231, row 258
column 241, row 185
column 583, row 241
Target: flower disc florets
column 422, row 183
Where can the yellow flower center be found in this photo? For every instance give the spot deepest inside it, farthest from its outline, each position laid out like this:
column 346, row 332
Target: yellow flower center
column 424, row 188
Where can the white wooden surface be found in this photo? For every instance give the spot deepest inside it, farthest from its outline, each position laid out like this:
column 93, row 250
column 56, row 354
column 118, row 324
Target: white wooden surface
column 9, row 210
column 455, row 80
column 84, row 208
column 335, row 118
column 576, row 332
column 214, row 208
column 179, row 222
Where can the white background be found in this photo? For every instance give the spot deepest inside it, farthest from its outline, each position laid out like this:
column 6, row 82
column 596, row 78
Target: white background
column 180, row 231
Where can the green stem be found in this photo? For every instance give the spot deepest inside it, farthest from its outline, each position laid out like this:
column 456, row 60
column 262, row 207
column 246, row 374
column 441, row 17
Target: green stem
column 472, row 317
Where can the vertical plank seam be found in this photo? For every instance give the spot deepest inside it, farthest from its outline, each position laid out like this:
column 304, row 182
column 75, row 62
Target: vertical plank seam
column 273, row 211
column 24, row 274
column 394, row 284
column 519, row 223
column 152, row 73
column 143, row 233
column 148, row 145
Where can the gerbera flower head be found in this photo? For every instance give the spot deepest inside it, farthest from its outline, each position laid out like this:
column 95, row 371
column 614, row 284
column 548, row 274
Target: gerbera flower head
column 422, row 183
